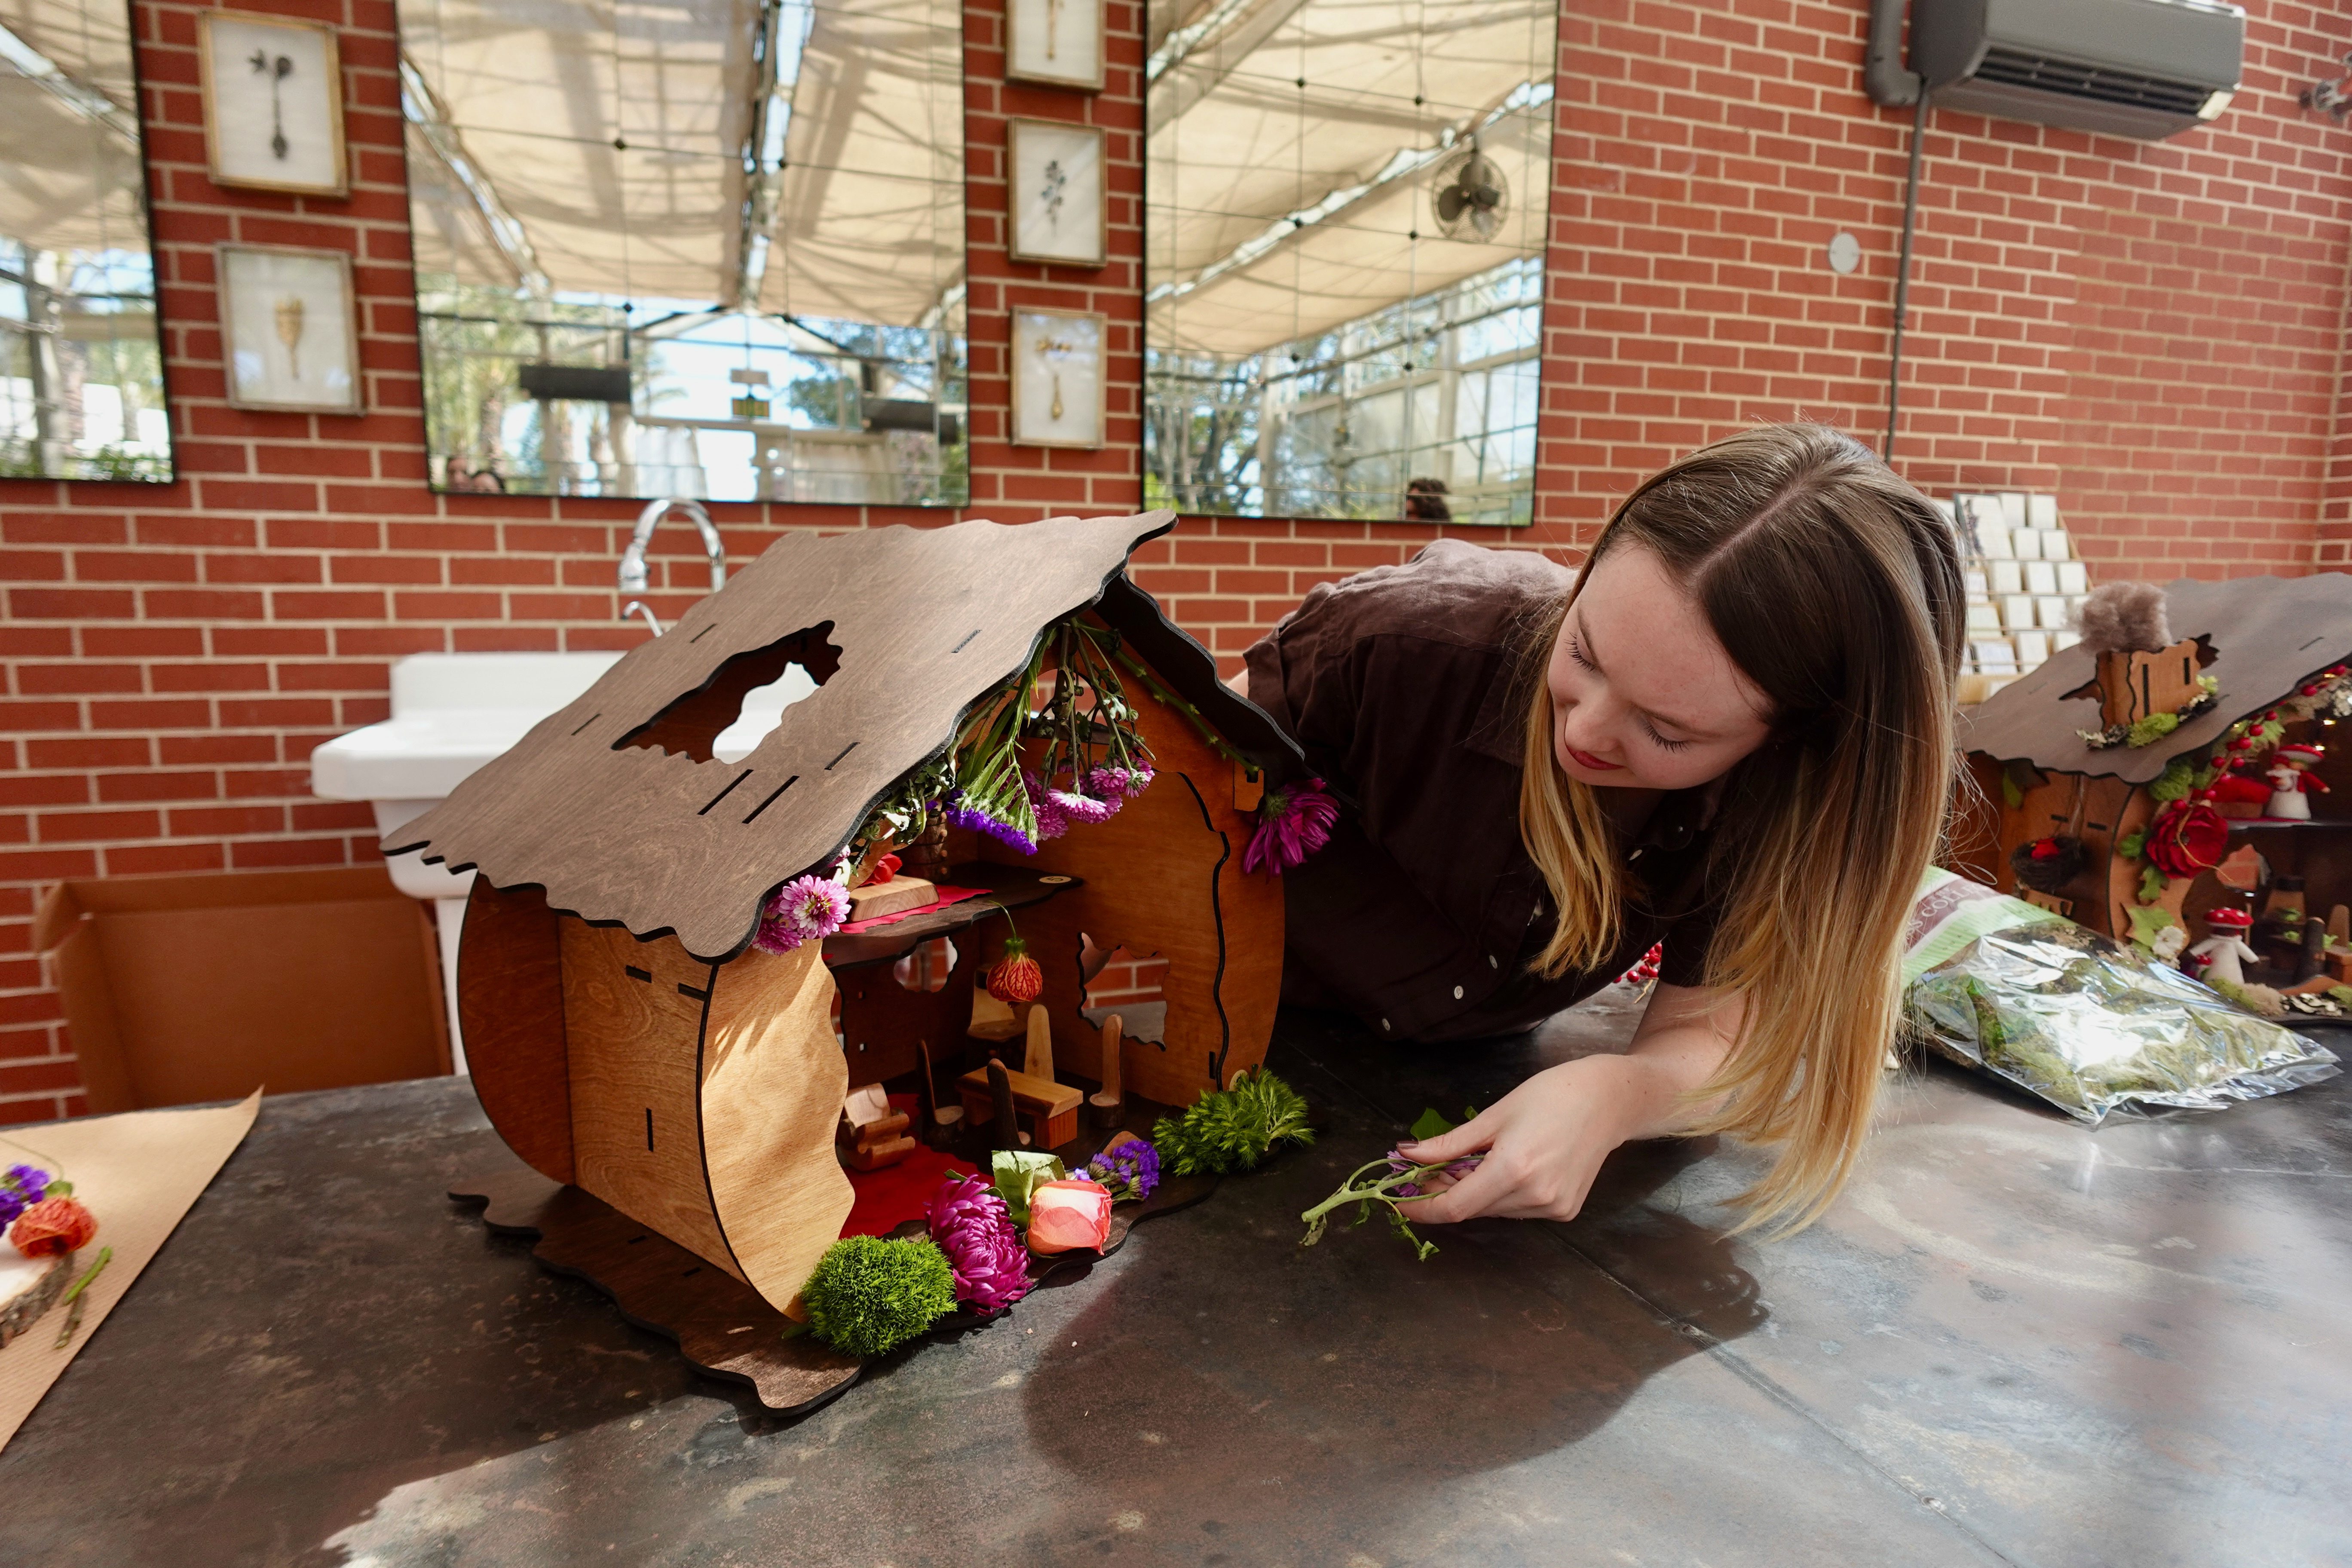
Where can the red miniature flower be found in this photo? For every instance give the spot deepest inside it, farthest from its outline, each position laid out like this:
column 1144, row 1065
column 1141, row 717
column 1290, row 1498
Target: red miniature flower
column 52, row 1226
column 1015, row 978
column 2188, row 836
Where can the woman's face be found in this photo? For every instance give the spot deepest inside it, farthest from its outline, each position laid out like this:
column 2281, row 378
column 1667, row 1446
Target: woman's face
column 1643, row 695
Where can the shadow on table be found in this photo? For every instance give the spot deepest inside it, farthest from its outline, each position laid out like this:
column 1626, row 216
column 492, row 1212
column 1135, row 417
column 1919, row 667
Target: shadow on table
column 1311, row 1397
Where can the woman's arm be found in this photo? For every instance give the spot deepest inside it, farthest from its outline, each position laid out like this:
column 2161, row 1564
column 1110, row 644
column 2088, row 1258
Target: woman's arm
column 1544, row 1141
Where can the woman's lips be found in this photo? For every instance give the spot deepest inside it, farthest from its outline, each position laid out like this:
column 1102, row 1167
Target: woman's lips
column 1587, row 759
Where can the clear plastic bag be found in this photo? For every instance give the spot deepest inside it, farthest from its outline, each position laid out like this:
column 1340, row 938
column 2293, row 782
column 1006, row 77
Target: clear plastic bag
column 2093, row 1026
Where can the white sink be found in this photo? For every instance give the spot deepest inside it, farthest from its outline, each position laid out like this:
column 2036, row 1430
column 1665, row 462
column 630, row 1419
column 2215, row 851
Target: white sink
column 451, row 712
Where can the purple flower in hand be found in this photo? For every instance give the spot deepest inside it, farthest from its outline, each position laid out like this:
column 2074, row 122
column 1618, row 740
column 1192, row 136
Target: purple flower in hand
column 969, row 1221
column 1293, row 822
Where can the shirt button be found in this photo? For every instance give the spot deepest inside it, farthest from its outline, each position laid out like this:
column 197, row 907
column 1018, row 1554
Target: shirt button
column 1384, row 1023
column 1458, row 994
column 1491, row 963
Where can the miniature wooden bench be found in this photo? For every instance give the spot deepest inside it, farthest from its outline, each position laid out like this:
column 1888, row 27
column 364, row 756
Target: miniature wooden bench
column 1051, row 1108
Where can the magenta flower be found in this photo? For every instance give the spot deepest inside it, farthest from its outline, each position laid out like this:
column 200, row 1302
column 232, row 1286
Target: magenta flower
column 1115, row 783
column 1052, row 822
column 969, row 1221
column 807, row 908
column 1083, row 808
column 1293, row 823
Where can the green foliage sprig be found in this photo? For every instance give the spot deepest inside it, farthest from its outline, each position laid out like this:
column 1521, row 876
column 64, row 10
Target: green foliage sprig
column 869, row 1295
column 1229, row 1129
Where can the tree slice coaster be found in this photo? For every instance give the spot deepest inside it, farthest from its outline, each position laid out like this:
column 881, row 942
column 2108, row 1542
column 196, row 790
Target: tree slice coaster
column 723, row 1326
column 19, row 1312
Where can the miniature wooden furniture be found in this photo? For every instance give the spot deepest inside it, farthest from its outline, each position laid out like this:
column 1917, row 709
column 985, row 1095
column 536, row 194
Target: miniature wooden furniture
column 895, row 896
column 1050, row 1110
column 872, row 1135
column 2133, row 685
column 1108, row 1103
column 626, row 1036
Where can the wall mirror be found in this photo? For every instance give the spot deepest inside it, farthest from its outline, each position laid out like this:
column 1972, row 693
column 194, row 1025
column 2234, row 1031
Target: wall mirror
column 81, row 394
column 1343, row 235
column 701, row 248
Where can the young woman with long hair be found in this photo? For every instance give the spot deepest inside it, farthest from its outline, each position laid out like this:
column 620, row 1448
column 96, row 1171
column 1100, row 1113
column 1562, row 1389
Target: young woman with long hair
column 1731, row 730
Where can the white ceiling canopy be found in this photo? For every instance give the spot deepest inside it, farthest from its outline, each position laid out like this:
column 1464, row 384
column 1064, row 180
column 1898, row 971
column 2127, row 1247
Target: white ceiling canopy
column 1297, row 146
column 783, row 156
column 69, row 171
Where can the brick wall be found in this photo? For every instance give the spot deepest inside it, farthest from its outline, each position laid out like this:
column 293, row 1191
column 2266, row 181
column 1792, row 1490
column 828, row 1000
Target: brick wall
column 2154, row 332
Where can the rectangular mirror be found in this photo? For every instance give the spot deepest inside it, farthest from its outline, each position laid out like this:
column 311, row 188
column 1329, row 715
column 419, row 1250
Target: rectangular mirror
column 81, row 394
column 713, row 249
column 1344, row 240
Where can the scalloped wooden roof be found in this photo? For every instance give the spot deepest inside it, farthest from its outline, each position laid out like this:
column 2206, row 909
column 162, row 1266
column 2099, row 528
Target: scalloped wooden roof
column 2269, row 635
column 926, row 620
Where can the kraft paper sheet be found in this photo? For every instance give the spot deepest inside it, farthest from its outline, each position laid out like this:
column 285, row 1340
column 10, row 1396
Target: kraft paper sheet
column 139, row 1173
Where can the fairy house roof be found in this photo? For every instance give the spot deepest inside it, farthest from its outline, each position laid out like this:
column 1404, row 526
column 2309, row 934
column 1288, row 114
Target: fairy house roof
column 617, row 808
column 2267, row 637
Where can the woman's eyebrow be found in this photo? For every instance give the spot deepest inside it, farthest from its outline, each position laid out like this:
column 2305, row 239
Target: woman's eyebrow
column 1697, row 731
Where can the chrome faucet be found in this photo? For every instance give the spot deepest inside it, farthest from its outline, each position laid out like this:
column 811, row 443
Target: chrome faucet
column 633, row 579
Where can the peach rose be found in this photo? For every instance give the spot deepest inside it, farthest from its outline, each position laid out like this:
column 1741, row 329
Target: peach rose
column 1068, row 1214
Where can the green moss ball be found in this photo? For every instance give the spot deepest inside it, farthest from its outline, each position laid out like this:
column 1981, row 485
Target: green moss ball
column 869, row 1295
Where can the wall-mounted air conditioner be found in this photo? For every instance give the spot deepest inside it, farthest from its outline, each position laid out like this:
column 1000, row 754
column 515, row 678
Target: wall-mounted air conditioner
column 2146, row 69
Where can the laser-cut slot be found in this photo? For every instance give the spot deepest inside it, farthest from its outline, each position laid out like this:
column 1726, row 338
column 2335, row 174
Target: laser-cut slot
column 771, row 798
column 685, row 990
column 649, row 1129
column 634, row 973
column 723, row 793
column 844, row 752
column 588, row 721
column 967, row 640
column 702, row 634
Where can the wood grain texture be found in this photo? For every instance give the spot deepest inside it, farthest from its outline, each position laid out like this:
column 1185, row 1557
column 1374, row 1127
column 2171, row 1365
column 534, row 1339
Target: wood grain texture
column 927, row 619
column 885, row 1027
column 510, row 1006
column 722, row 1325
column 2268, row 634
column 1164, row 877
column 635, row 1043
column 773, row 1084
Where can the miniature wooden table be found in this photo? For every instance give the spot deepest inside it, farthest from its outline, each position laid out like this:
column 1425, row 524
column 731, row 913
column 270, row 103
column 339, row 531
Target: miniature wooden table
column 2015, row 1342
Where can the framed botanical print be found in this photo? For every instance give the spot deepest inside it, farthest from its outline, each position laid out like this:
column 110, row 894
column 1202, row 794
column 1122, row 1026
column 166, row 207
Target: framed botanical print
column 287, row 329
column 1059, row 213
column 273, row 93
column 1057, row 43
column 1057, row 377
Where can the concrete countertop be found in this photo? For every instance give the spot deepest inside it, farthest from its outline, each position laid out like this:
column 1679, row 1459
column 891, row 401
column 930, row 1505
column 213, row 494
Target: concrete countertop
column 2015, row 1342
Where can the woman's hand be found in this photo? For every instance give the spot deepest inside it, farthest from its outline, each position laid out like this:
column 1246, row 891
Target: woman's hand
column 1544, row 1141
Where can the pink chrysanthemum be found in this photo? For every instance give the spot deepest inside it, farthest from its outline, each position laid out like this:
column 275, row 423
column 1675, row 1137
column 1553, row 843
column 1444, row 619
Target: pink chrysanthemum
column 1052, row 821
column 1077, row 808
column 1115, row 783
column 1293, row 823
column 969, row 1221
column 807, row 908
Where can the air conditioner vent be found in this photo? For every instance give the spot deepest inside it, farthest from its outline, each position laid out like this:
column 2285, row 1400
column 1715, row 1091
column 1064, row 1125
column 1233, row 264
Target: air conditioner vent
column 2012, row 67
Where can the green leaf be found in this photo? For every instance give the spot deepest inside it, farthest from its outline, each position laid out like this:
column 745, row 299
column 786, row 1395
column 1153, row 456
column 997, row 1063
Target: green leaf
column 1016, row 1173
column 1431, row 1124
column 2149, row 923
column 2152, row 883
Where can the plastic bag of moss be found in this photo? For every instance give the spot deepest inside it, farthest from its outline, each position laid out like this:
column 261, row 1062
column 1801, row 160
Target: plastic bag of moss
column 2093, row 1026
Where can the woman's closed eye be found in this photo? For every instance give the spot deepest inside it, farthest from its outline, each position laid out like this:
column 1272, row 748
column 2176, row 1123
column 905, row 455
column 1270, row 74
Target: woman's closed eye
column 1649, row 730
column 1661, row 742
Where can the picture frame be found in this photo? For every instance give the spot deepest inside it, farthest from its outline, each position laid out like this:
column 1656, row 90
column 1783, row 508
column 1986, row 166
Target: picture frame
column 290, row 337
column 1060, row 392
column 1060, row 215
column 1055, row 43
column 273, row 102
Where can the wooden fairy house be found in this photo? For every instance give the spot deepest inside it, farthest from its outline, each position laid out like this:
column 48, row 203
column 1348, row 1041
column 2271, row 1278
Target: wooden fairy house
column 627, row 1035
column 2133, row 782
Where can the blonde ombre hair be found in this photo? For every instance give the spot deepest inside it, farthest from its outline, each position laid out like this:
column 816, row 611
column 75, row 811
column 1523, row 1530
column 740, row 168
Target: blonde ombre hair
column 1836, row 588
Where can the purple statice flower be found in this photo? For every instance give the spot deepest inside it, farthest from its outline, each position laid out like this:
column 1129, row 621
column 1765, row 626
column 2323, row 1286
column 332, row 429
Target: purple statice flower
column 1293, row 823
column 21, row 1186
column 969, row 1221
column 961, row 813
column 1052, row 821
column 807, row 908
column 1130, row 1171
column 1119, row 784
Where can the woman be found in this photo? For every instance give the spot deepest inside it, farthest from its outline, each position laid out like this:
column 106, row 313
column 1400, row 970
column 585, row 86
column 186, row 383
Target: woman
column 1730, row 731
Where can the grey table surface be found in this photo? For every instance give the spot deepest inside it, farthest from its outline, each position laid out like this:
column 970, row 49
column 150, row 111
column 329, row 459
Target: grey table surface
column 2013, row 1342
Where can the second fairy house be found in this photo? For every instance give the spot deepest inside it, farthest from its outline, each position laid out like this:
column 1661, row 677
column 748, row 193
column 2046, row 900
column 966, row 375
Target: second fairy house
column 646, row 979
column 2165, row 768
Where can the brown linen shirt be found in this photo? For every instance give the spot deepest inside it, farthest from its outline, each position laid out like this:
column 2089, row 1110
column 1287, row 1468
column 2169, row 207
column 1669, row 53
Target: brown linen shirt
column 1405, row 686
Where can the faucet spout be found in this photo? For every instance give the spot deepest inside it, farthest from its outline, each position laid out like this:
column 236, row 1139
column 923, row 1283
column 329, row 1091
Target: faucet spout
column 634, row 578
